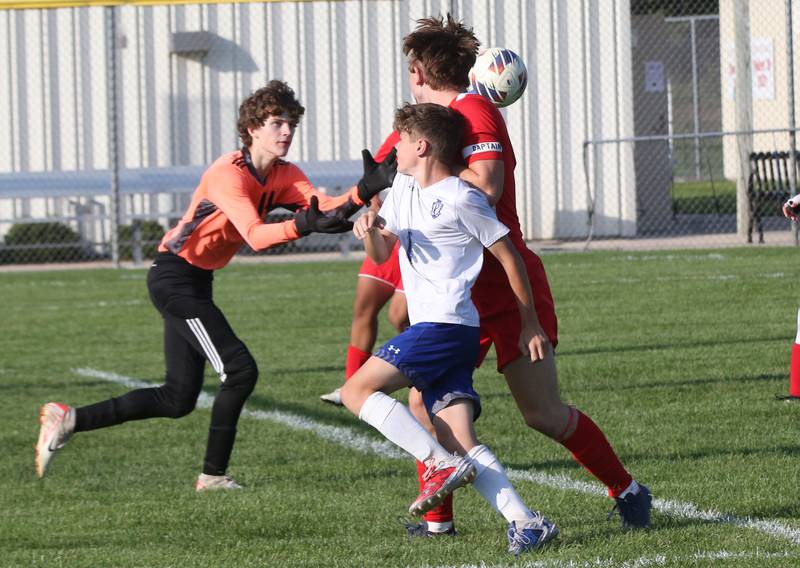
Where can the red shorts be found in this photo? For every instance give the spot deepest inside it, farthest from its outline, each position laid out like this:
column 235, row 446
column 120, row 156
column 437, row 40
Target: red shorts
column 500, row 322
column 387, row 272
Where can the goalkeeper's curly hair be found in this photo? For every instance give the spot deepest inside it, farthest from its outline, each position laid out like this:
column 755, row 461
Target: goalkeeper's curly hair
column 275, row 99
column 446, row 50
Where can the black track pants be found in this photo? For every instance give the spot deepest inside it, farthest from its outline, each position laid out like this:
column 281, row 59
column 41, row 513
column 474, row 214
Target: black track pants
column 195, row 331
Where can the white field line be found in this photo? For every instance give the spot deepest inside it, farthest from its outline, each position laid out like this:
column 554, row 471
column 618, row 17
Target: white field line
column 641, row 562
column 350, row 439
column 336, row 434
column 668, row 507
column 78, row 305
column 669, row 257
column 701, row 277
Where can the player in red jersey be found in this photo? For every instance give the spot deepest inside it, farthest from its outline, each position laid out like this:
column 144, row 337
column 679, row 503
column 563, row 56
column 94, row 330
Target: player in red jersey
column 440, row 53
column 228, row 209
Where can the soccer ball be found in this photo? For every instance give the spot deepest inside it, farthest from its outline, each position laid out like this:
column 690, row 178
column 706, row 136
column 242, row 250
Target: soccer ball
column 500, row 75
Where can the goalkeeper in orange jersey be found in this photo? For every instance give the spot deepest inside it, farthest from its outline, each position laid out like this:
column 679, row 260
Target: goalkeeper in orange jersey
column 227, row 210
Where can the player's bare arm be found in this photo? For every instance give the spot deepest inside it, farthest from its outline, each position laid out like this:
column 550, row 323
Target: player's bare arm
column 486, row 175
column 533, row 339
column 377, row 242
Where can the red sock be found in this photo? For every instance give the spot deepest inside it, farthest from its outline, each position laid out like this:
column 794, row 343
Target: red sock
column 355, row 358
column 591, row 449
column 794, row 380
column 441, row 513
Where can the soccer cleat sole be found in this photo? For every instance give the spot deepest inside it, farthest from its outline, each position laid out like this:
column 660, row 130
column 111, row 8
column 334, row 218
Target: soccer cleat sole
column 228, row 484
column 44, row 444
column 41, row 462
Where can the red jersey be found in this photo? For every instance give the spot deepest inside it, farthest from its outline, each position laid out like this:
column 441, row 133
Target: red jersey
column 486, row 138
column 229, row 206
column 387, row 146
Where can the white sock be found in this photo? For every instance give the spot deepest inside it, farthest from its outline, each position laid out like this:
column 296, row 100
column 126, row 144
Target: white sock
column 632, row 488
column 399, row 426
column 435, row 527
column 494, row 486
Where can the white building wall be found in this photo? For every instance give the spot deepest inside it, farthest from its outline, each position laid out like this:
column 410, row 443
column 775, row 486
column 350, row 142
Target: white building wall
column 345, row 63
column 767, row 22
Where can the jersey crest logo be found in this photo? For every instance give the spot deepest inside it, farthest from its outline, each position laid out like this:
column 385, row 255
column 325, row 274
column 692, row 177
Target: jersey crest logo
column 436, row 208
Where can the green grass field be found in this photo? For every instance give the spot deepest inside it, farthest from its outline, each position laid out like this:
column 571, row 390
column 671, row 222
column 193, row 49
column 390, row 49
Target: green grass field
column 676, row 355
column 703, row 197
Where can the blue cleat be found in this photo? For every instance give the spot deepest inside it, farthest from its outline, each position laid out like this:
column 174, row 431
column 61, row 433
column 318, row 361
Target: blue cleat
column 634, row 509
column 530, row 535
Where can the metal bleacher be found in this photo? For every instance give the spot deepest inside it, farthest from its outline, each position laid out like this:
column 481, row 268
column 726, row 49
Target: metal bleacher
column 174, row 179
column 81, row 199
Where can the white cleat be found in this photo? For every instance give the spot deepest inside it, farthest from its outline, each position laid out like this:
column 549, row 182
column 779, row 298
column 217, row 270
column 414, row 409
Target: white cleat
column 212, row 482
column 334, row 397
column 524, row 536
column 57, row 424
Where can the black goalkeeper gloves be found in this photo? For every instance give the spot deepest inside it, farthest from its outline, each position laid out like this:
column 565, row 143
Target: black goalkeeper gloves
column 312, row 220
column 377, row 176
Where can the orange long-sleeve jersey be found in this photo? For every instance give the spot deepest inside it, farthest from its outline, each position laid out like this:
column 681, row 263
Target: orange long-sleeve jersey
column 229, row 206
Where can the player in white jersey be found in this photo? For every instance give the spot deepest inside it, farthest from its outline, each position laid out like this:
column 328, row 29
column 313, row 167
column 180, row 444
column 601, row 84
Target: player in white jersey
column 443, row 225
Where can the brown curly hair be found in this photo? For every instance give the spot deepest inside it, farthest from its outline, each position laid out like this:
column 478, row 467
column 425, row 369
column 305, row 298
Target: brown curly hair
column 274, row 99
column 445, row 50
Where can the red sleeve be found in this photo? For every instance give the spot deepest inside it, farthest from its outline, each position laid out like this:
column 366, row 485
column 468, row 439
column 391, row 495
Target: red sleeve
column 482, row 132
column 387, row 146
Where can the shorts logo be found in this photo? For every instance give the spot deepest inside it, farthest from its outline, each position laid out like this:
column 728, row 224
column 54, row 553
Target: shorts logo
column 393, row 349
column 436, row 208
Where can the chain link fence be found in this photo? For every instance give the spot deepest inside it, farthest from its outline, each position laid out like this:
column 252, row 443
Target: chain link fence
column 632, row 126
column 705, row 164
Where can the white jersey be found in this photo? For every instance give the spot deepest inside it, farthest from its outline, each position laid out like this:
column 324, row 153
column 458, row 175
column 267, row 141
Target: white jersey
column 443, row 230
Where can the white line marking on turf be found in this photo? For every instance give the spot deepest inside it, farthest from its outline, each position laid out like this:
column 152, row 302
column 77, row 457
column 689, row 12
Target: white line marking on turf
column 77, row 306
column 701, row 277
column 368, row 445
column 669, row 257
column 668, row 507
column 336, row 434
column 641, row 562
